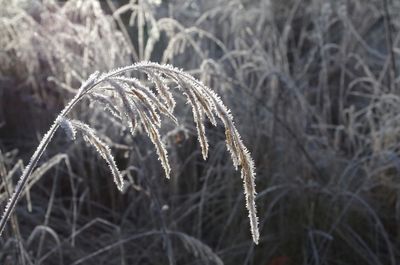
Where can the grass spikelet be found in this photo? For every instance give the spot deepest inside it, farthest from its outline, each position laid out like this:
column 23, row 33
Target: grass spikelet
column 197, row 116
column 203, row 100
column 68, row 128
column 128, row 111
column 162, row 89
column 148, row 118
column 146, row 105
column 102, row 148
column 160, row 147
column 155, row 137
column 146, row 95
column 108, row 104
column 248, row 175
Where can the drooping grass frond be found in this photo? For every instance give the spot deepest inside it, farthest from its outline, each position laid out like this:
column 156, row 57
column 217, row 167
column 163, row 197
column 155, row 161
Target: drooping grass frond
column 160, row 147
column 128, row 111
column 138, row 105
column 108, row 103
column 89, row 135
column 162, row 89
column 198, row 117
column 205, row 101
column 148, row 118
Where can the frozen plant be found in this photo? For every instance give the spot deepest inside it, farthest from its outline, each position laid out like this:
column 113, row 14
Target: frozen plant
column 131, row 101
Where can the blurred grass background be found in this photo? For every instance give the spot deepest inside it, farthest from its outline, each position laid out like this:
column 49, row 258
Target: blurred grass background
column 314, row 89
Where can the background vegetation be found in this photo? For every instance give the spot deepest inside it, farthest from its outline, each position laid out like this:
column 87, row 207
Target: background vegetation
column 314, row 89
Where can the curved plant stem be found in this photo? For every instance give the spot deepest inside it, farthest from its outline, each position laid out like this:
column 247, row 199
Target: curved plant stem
column 37, row 155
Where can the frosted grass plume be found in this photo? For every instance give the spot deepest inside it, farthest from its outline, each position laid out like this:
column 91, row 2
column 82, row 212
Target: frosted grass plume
column 138, row 106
